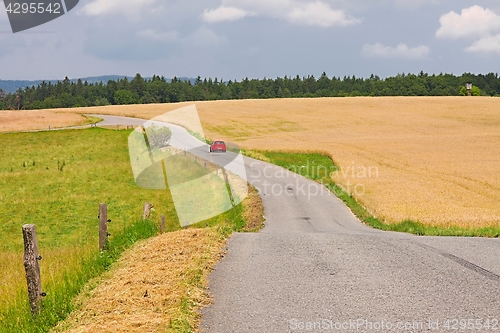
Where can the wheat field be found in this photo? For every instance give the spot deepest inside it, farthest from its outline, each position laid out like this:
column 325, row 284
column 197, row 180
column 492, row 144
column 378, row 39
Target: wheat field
column 16, row 121
column 435, row 160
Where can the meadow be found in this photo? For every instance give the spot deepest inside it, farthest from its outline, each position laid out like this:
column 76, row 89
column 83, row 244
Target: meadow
column 435, row 160
column 56, row 181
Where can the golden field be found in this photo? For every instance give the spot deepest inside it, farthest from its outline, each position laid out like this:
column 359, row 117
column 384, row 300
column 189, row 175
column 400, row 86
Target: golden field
column 14, row 121
column 430, row 159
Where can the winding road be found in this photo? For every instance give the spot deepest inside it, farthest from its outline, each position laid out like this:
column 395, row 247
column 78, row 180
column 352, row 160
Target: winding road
column 316, row 268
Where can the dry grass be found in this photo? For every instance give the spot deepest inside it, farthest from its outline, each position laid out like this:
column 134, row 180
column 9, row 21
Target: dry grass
column 144, row 290
column 437, row 158
column 254, row 210
column 12, row 121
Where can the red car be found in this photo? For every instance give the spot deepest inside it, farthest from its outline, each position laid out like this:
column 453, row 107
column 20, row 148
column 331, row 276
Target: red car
column 218, row 146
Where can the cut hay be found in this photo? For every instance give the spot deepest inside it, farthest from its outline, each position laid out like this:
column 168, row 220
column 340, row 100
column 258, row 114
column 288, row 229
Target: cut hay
column 144, row 290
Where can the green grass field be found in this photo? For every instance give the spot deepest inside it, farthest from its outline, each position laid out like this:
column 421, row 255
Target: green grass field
column 319, row 167
column 56, row 181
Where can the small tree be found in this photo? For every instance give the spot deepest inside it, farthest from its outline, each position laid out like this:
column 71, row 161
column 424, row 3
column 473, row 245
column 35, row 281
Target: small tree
column 158, row 136
column 475, row 91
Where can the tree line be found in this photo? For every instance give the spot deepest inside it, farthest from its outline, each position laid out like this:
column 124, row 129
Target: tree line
column 139, row 90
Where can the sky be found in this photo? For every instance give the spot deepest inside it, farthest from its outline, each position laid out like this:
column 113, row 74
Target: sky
column 234, row 39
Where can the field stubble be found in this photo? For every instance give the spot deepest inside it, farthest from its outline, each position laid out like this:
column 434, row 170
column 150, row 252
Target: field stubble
column 437, row 158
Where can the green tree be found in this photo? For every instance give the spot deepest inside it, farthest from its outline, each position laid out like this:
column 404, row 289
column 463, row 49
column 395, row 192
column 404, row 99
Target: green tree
column 158, row 136
column 101, row 101
column 2, row 97
column 138, row 85
column 475, row 91
column 125, row 97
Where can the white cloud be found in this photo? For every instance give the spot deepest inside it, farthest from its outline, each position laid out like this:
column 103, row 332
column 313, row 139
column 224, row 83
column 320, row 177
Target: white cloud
column 472, row 22
column 204, row 37
column 158, row 36
column 314, row 13
column 320, row 14
column 224, row 13
column 274, row 8
column 476, row 22
column 489, row 44
column 131, row 8
column 402, row 51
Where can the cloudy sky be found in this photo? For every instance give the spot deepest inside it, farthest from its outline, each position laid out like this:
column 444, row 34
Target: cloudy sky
column 233, row 39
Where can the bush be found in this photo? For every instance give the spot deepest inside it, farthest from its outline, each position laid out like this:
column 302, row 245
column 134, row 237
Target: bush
column 158, row 136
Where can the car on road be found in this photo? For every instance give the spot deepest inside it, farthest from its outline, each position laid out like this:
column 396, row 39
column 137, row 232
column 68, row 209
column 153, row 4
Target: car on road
column 218, row 146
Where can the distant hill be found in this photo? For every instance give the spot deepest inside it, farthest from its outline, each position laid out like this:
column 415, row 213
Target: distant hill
column 11, row 86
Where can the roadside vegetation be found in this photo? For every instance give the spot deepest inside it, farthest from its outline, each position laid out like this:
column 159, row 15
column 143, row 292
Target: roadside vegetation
column 320, row 167
column 56, row 181
column 160, row 284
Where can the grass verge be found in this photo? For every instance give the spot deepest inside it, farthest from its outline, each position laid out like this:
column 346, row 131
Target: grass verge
column 156, row 286
column 319, row 168
column 160, row 284
column 58, row 302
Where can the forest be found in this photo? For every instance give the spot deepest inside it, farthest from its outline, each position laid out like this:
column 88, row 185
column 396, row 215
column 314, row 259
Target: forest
column 157, row 89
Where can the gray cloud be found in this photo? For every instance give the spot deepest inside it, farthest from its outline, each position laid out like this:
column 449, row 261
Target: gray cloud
column 254, row 38
column 402, row 51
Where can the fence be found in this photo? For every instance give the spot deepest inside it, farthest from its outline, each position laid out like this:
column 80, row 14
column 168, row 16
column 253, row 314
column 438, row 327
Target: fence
column 32, row 257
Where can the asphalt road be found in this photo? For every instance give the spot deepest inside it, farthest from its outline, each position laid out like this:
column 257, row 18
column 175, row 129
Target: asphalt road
column 316, row 268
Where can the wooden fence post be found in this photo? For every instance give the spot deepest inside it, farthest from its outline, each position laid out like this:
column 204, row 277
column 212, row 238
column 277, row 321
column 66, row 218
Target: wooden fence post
column 32, row 267
column 147, row 210
column 162, row 225
column 103, row 226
